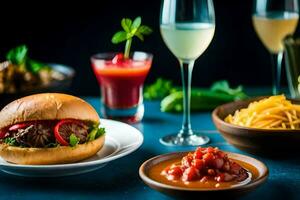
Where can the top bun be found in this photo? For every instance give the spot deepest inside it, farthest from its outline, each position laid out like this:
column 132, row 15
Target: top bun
column 47, row 106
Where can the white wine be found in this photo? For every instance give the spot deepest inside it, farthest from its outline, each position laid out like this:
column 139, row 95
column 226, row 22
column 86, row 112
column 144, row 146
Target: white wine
column 272, row 27
column 187, row 41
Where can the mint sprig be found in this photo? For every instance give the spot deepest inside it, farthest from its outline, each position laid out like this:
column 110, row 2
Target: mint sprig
column 130, row 29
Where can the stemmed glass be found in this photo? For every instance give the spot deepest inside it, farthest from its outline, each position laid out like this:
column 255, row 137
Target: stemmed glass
column 273, row 20
column 187, row 28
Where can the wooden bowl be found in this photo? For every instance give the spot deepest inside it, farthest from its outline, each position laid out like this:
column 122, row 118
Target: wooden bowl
column 211, row 193
column 254, row 140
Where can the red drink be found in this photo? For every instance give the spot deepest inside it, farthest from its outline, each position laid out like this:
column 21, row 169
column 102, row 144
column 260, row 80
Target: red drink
column 121, row 81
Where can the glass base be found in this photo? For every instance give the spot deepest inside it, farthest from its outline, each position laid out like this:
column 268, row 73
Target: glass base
column 181, row 140
column 127, row 115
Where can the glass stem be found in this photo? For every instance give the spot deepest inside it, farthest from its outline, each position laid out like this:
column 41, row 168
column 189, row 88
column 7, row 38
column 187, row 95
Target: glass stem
column 186, row 76
column 276, row 60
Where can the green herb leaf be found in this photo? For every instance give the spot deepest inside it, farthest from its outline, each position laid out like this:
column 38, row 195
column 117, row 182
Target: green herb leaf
column 130, row 29
column 91, row 136
column 100, row 131
column 73, row 140
column 34, row 66
column 139, row 35
column 145, row 30
column 95, row 133
column 119, row 37
column 223, row 86
column 126, row 24
column 159, row 89
column 17, row 55
column 135, row 24
column 10, row 141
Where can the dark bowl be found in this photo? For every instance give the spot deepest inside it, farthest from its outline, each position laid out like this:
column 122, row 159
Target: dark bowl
column 254, row 140
column 186, row 193
column 55, row 86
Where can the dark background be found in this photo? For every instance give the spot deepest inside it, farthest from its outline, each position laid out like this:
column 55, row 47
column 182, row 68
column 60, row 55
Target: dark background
column 70, row 33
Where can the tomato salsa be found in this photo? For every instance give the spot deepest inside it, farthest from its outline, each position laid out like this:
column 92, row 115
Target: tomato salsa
column 204, row 168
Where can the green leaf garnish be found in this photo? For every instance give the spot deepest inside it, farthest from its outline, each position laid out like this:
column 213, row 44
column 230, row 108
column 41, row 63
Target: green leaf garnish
column 100, row 131
column 224, row 87
column 91, row 136
column 95, row 133
column 130, row 29
column 126, row 24
column 119, row 37
column 135, row 24
column 145, row 30
column 10, row 141
column 34, row 66
column 17, row 55
column 159, row 89
column 139, row 35
column 73, row 140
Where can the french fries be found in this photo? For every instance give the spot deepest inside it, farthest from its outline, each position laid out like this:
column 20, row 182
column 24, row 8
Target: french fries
column 275, row 112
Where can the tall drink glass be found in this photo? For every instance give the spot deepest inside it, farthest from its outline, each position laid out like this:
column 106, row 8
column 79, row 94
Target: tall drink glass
column 273, row 20
column 187, row 28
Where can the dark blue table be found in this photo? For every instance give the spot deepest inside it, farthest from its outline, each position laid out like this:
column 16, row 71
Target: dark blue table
column 120, row 180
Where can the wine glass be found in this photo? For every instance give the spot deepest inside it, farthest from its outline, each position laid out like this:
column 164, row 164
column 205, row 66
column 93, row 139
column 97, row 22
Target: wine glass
column 187, row 28
column 273, row 20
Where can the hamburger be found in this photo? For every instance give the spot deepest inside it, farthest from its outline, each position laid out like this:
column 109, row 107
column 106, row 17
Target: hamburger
column 49, row 128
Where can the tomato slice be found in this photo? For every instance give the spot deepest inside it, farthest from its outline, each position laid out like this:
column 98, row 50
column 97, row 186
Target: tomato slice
column 19, row 126
column 64, row 128
column 2, row 134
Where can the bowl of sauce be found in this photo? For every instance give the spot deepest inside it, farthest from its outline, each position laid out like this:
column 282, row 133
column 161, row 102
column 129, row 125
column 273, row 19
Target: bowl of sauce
column 208, row 172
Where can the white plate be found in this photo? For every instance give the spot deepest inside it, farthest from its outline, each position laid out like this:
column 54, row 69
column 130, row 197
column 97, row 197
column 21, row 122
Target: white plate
column 121, row 140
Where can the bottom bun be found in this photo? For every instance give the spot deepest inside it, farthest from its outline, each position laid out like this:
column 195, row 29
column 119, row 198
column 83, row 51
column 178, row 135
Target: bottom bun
column 55, row 155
